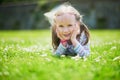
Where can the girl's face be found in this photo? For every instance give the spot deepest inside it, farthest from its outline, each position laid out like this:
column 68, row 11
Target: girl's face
column 65, row 25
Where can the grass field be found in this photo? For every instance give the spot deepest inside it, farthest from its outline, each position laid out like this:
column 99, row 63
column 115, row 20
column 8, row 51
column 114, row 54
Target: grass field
column 27, row 55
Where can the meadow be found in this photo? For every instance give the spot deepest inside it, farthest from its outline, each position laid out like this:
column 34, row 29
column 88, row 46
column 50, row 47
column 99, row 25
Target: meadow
column 27, row 55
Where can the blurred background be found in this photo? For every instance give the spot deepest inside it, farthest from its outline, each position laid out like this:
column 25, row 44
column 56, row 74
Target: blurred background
column 28, row 14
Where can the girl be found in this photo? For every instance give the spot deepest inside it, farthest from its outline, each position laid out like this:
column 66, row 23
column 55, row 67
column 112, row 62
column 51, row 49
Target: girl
column 70, row 36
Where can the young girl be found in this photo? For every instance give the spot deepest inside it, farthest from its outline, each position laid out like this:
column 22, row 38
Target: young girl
column 70, row 36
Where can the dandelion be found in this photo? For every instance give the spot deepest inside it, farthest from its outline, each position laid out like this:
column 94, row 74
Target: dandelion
column 62, row 55
column 116, row 58
column 105, row 52
column 113, row 48
column 6, row 73
column 76, row 58
column 31, row 57
column 6, row 49
column 43, row 49
column 47, row 59
column 84, row 58
column 97, row 59
column 104, row 61
column 27, row 49
column 43, row 55
column 110, row 43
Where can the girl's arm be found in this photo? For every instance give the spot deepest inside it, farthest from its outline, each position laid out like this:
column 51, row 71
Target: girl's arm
column 62, row 46
column 80, row 49
column 60, row 50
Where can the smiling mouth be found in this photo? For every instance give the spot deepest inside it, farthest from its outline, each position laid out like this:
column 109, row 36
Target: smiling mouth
column 66, row 35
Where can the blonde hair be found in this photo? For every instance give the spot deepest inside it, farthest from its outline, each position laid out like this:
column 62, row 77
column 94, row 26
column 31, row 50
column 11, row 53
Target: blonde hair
column 67, row 8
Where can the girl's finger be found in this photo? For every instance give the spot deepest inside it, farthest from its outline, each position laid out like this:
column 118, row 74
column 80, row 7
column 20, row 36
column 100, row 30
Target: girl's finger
column 78, row 29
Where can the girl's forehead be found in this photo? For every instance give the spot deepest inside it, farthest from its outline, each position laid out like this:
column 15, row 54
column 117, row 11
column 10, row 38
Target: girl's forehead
column 65, row 18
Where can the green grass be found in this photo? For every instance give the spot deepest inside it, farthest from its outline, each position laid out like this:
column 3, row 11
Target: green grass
column 27, row 55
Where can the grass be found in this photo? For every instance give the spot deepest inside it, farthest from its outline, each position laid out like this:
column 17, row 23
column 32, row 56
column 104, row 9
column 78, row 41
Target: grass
column 26, row 55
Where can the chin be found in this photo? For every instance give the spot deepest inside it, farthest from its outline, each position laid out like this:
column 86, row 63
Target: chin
column 67, row 38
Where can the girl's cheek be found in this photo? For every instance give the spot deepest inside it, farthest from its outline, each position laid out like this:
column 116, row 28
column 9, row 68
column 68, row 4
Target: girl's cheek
column 59, row 30
column 72, row 29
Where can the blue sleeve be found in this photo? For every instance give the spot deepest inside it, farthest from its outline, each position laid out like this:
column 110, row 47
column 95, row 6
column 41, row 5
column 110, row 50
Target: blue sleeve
column 60, row 50
column 81, row 49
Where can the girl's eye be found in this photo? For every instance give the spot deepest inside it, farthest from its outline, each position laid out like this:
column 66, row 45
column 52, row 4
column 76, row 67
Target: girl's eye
column 69, row 25
column 60, row 25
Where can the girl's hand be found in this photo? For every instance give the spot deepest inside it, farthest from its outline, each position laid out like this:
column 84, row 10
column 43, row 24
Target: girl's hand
column 76, row 31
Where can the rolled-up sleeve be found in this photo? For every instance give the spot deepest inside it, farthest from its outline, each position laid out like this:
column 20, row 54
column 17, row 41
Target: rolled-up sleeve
column 60, row 50
column 81, row 49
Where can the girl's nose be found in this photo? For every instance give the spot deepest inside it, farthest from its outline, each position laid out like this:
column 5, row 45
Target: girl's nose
column 65, row 30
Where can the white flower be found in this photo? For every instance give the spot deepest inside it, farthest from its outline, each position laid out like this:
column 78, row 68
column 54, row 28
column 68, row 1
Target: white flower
column 97, row 59
column 105, row 52
column 27, row 49
column 6, row 73
column 43, row 55
column 84, row 58
column 31, row 57
column 48, row 59
column 76, row 58
column 62, row 55
column 113, row 48
column 116, row 58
